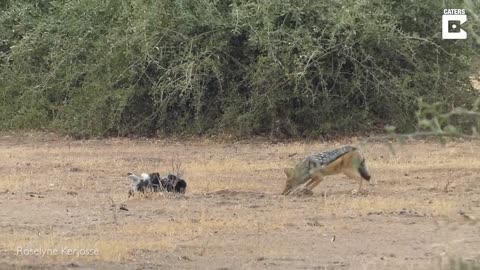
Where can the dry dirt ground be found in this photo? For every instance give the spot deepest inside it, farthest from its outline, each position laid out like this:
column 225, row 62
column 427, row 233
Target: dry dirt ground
column 66, row 195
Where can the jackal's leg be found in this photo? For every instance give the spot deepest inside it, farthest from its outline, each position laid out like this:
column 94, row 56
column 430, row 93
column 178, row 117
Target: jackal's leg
column 360, row 182
column 314, row 182
column 353, row 175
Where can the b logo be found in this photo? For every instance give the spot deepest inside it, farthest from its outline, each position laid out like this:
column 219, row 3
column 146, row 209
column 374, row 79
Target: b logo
column 452, row 19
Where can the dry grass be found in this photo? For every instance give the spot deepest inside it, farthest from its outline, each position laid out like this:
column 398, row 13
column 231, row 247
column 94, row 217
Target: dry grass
column 109, row 248
column 232, row 194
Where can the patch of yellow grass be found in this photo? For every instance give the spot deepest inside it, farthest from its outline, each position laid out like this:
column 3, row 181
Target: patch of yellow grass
column 425, row 162
column 234, row 174
column 17, row 181
column 104, row 248
column 229, row 166
column 187, row 227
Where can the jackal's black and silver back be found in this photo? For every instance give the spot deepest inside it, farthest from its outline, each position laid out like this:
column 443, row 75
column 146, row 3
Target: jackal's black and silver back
column 324, row 158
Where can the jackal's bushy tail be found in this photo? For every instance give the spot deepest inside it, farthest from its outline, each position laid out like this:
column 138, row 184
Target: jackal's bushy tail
column 363, row 171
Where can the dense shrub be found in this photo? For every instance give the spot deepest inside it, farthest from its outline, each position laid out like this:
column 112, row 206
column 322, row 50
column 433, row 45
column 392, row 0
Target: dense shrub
column 281, row 68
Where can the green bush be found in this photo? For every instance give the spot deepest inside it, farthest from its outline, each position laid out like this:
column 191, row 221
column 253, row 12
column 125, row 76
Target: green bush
column 280, row 68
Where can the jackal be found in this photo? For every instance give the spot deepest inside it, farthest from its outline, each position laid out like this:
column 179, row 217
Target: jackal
column 310, row 171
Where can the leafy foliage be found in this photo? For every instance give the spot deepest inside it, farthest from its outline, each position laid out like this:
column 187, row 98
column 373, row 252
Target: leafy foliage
column 279, row 68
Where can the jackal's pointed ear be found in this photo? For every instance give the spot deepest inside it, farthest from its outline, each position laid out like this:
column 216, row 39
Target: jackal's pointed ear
column 288, row 172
